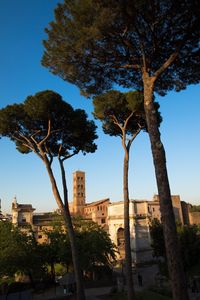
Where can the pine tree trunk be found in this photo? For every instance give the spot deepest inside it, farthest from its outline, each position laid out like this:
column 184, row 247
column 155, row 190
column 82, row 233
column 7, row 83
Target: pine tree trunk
column 177, row 276
column 67, row 218
column 72, row 237
column 128, row 257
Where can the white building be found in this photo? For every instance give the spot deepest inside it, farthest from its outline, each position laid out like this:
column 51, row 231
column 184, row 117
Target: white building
column 139, row 229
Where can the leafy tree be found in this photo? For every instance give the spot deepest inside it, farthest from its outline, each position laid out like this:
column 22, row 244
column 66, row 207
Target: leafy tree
column 49, row 127
column 152, row 46
column 7, row 250
column 101, row 251
column 56, row 250
column 189, row 240
column 18, row 252
column 122, row 114
column 189, row 237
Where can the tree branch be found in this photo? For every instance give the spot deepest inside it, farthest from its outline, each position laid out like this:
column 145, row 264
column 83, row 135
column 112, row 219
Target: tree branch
column 48, row 133
column 167, row 63
column 115, row 121
column 27, row 144
column 70, row 155
column 126, row 122
column 130, row 66
column 133, row 137
column 49, row 154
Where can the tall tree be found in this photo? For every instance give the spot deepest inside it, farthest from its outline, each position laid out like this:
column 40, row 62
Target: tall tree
column 144, row 45
column 49, row 127
column 122, row 114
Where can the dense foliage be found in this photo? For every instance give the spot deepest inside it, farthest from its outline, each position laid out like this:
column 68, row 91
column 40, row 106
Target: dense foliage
column 20, row 252
column 46, row 121
column 189, row 240
column 96, row 43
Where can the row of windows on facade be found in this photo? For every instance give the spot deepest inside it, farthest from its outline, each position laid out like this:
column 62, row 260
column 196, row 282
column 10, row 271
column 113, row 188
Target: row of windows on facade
column 79, row 178
column 79, row 186
column 79, row 194
column 99, row 207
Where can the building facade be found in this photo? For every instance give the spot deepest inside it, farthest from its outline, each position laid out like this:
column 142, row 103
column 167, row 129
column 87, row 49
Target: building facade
column 78, row 193
column 110, row 216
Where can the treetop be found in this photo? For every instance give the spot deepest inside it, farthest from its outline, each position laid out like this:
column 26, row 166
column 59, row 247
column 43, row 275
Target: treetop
column 95, row 43
column 115, row 109
column 45, row 122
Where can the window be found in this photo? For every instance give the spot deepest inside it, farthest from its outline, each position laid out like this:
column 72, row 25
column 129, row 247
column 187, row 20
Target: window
column 103, row 221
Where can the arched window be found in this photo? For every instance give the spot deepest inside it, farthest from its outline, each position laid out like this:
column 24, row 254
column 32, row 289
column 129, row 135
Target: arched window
column 120, row 237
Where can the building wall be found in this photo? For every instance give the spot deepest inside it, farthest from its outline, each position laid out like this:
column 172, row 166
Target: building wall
column 78, row 192
column 22, row 213
column 139, row 229
column 176, row 202
column 154, row 208
column 194, row 218
column 97, row 212
column 185, row 212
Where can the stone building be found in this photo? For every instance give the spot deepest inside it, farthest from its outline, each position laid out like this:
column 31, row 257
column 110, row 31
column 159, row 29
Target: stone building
column 108, row 215
column 194, row 217
column 186, row 212
column 22, row 214
column 98, row 212
column 154, row 208
column 23, row 217
column 78, row 193
column 139, row 229
column 142, row 212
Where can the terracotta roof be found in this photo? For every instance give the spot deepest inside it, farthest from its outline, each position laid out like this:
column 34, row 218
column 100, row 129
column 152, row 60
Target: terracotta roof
column 97, row 202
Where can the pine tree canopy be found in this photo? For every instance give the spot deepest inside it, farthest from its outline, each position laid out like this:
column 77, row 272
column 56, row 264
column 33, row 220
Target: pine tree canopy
column 97, row 43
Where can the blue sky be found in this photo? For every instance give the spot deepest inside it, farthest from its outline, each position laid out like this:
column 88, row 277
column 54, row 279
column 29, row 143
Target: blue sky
column 22, row 26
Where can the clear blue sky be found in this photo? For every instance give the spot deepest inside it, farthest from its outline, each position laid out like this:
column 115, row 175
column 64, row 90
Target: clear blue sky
column 22, row 26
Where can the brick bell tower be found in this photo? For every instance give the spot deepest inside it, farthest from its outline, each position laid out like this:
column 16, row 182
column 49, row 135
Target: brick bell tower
column 78, row 192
